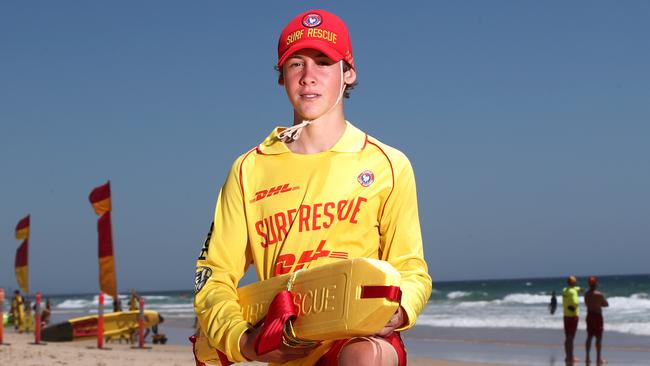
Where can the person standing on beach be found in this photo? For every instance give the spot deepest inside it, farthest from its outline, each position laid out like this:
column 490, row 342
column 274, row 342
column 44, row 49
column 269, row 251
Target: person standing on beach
column 27, row 324
column 595, row 302
column 17, row 310
column 283, row 206
column 134, row 301
column 117, row 304
column 46, row 313
column 552, row 306
column 570, row 303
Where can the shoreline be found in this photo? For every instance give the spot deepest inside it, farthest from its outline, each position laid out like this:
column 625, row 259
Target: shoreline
column 519, row 346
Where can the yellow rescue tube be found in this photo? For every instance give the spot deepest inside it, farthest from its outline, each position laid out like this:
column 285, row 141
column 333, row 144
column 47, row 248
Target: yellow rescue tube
column 329, row 299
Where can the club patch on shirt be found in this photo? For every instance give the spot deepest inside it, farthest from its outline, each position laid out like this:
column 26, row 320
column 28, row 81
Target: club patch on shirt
column 366, row 178
column 201, row 277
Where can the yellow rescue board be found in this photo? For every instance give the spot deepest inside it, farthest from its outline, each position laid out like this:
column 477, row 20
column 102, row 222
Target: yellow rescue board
column 126, row 321
column 115, row 324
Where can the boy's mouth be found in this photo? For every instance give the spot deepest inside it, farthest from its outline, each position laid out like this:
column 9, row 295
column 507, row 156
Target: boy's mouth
column 309, row 96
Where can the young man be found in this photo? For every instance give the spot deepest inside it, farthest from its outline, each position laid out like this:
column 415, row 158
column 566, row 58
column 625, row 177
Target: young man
column 595, row 302
column 571, row 312
column 321, row 186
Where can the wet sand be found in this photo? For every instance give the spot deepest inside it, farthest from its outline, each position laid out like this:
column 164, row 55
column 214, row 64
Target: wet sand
column 517, row 346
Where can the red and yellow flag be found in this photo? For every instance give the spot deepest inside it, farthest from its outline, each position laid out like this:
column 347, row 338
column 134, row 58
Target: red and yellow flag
column 22, row 229
column 107, row 281
column 22, row 269
column 100, row 198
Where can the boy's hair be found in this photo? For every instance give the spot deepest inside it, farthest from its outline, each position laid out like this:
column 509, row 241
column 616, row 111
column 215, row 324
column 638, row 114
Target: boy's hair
column 346, row 91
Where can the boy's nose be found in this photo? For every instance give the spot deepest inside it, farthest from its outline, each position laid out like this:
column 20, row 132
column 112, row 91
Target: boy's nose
column 308, row 76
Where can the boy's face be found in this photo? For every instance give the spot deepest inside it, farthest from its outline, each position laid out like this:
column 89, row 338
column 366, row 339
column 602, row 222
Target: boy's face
column 313, row 82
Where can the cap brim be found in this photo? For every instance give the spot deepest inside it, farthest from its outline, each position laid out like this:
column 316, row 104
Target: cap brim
column 315, row 44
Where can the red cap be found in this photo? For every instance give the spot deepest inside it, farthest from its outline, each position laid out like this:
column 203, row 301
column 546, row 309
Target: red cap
column 593, row 281
column 319, row 30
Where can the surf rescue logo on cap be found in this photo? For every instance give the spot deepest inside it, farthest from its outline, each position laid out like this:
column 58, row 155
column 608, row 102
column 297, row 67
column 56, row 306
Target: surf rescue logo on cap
column 366, row 178
column 312, row 20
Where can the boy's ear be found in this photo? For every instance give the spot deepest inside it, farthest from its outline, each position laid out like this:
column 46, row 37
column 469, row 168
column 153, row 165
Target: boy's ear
column 281, row 80
column 350, row 76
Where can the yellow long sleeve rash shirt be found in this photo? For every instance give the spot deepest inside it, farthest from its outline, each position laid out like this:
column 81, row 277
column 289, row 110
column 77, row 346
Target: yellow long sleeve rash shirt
column 282, row 212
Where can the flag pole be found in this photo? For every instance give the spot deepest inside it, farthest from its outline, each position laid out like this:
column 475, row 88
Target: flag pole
column 100, row 321
column 2, row 305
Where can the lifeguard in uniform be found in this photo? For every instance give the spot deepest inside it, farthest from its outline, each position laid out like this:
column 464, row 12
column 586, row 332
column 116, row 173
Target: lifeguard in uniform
column 316, row 193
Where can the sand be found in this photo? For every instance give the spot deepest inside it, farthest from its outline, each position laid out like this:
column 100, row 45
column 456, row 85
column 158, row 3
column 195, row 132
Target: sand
column 18, row 350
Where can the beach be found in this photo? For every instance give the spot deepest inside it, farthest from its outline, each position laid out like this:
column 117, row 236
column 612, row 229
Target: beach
column 18, row 349
column 437, row 346
column 500, row 322
column 425, row 345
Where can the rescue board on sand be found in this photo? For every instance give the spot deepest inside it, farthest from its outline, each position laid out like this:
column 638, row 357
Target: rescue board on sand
column 85, row 327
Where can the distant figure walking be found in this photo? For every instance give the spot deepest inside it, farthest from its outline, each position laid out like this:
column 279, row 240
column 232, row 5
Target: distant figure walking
column 17, row 310
column 46, row 313
column 27, row 324
column 552, row 306
column 571, row 312
column 117, row 304
column 595, row 302
column 134, row 301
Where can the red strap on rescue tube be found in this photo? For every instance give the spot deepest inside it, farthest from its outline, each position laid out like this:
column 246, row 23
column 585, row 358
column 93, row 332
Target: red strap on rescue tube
column 196, row 359
column 223, row 359
column 391, row 293
column 281, row 310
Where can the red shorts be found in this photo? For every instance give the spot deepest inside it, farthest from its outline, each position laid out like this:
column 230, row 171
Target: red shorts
column 331, row 358
column 595, row 325
column 570, row 325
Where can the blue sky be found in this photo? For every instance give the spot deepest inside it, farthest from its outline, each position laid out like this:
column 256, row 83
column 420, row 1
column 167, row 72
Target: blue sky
column 527, row 124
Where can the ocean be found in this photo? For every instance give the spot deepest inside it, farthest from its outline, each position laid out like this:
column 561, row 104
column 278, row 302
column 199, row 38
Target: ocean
column 523, row 303
column 491, row 304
